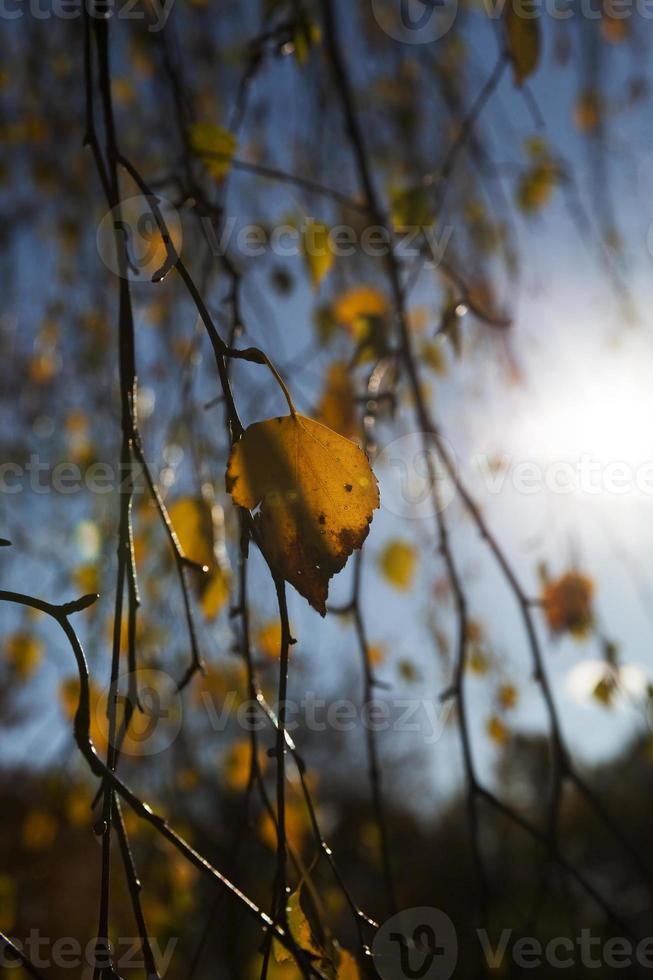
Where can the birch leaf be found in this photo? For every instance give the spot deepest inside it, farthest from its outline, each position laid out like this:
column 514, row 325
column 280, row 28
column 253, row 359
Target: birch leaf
column 316, row 493
column 215, row 146
column 523, row 36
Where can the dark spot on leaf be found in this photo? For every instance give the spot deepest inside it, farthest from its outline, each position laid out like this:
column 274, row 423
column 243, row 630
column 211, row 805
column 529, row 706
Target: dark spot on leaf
column 322, row 519
column 348, row 487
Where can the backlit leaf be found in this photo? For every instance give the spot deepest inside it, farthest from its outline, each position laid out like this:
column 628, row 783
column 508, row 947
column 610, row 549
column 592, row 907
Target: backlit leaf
column 497, row 731
column 318, row 254
column 215, row 593
column 24, row 652
column 191, row 519
column 317, row 495
column 337, row 408
column 398, row 562
column 523, row 37
column 215, row 146
column 567, row 604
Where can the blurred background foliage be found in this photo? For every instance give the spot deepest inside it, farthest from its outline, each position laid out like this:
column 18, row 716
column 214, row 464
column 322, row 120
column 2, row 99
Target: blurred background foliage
column 253, row 83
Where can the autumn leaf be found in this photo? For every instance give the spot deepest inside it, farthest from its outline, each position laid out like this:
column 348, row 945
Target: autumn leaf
column 318, row 254
column 337, row 408
column 317, row 495
column 363, row 312
column 300, row 930
column 497, row 731
column 39, row 830
column 215, row 146
column 507, row 696
column 192, row 520
column 306, row 34
column 588, row 111
column 215, row 593
column 268, row 639
column 347, row 967
column 238, row 764
column 24, row 652
column 359, row 303
column 567, row 604
column 398, row 562
column 523, row 37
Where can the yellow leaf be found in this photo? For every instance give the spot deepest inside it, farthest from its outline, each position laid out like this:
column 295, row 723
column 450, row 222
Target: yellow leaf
column 317, row 495
column 523, row 36
column 237, row 764
column 24, row 653
column 613, row 29
column 191, row 519
column 567, row 604
column 39, row 830
column 316, row 247
column 347, row 967
column 268, row 639
column 376, row 654
column 215, row 145
column 337, row 408
column 359, row 303
column 215, row 593
column 408, row 671
column 605, row 690
column 497, row 731
column 78, row 807
column 299, row 928
column 588, row 112
column 298, row 827
column 69, row 697
column 398, row 563
column 536, row 186
column 433, row 356
column 477, row 662
column 363, row 311
column 306, row 34
column 87, row 579
column 507, row 696
column 411, row 208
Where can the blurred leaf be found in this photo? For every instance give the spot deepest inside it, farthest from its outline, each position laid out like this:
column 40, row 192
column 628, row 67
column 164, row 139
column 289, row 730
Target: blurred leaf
column 215, row 593
column 268, row 639
column 433, row 355
column 567, row 604
column 306, row 35
column 215, row 146
column 507, row 696
column 408, row 671
column 191, row 519
column 523, row 37
column 398, row 563
column 238, row 763
column 588, row 111
column 605, row 690
column 497, row 731
column 337, row 408
column 24, row 652
column 39, row 830
column 316, row 247
column 358, row 304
